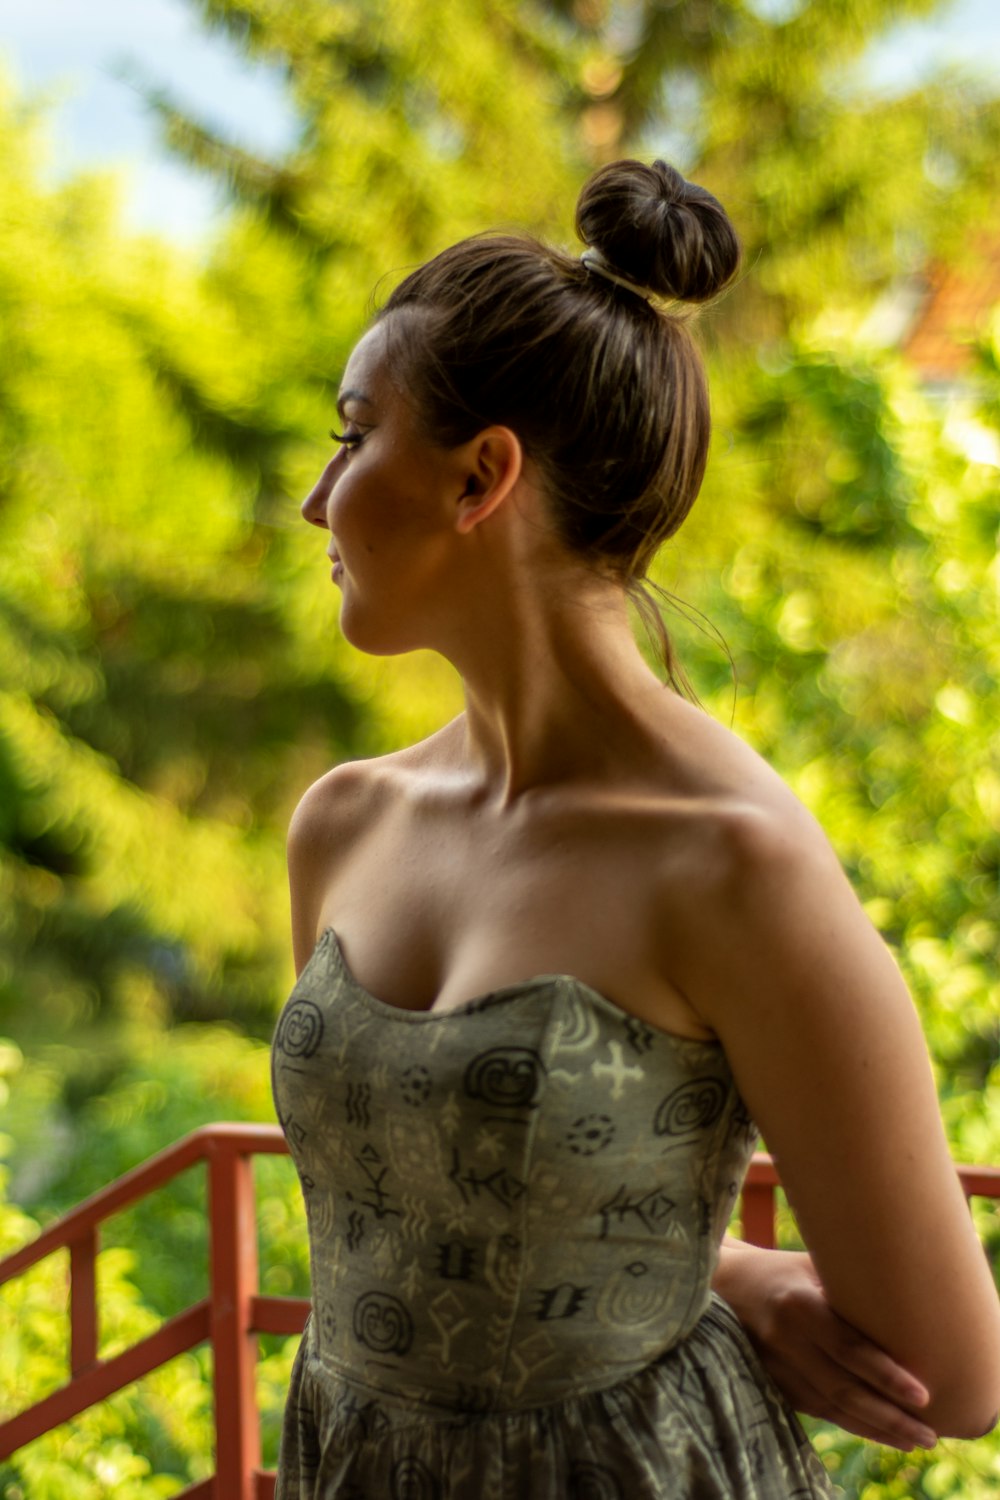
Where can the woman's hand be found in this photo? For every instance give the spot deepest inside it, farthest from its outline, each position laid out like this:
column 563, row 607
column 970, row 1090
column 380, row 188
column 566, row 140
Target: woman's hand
column 820, row 1364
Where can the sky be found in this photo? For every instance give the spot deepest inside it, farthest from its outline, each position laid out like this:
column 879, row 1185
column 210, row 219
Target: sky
column 77, row 53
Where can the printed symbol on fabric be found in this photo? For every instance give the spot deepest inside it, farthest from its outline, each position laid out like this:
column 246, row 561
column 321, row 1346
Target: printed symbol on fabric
column 618, row 1070
column 640, row 1036
column 382, row 1323
column 499, row 1183
column 502, row 1268
column 367, row 1417
column 414, row 1145
column 488, row 1143
column 376, row 1170
column 300, row 1029
column 411, row 1479
column 355, row 1229
column 741, row 1126
column 633, row 1296
column 310, row 1453
column 506, row 1077
column 590, row 1134
column 694, row 1385
column 456, row 1261
column 359, row 1096
column 327, row 1322
column 588, row 1481
column 415, row 1219
column 527, row 1356
column 450, row 1317
column 652, row 1209
column 294, row 1132
column 473, row 1399
column 691, row 1107
column 577, row 1028
column 562, row 1301
column 321, row 1208
column 415, row 1085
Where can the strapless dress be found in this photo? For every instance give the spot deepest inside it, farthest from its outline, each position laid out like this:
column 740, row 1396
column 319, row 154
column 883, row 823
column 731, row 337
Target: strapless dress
column 514, row 1211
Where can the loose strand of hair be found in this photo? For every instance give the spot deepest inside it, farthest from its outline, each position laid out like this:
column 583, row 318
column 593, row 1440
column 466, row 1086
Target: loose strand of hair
column 643, row 595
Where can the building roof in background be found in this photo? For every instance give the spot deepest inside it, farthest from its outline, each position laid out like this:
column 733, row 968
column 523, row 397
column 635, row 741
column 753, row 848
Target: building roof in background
column 955, row 310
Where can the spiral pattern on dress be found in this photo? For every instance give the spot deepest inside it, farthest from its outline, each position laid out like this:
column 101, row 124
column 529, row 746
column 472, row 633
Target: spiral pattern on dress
column 411, row 1479
column 589, row 1481
column 300, row 1029
column 690, row 1107
column 506, row 1077
column 382, row 1323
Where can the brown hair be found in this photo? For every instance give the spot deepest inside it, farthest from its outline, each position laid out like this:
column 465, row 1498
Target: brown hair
column 606, row 392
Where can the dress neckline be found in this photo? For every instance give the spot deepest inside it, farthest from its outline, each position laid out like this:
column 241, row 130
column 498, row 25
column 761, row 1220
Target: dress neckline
column 330, row 941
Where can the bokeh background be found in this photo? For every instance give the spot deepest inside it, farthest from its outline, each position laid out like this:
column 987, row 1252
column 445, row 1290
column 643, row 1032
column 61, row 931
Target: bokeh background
column 171, row 676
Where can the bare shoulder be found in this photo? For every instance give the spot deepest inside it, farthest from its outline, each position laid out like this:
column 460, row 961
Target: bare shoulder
column 335, row 808
column 732, row 832
column 341, row 805
column 763, row 910
column 757, row 849
column 339, row 811
column 326, row 825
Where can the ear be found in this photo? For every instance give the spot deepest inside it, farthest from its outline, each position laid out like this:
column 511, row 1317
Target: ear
column 494, row 460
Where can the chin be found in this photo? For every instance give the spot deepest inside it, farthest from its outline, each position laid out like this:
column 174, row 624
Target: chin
column 375, row 637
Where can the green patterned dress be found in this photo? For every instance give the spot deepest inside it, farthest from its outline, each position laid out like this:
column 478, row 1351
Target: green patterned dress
column 514, row 1214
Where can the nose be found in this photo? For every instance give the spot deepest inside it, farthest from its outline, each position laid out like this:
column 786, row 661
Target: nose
column 314, row 505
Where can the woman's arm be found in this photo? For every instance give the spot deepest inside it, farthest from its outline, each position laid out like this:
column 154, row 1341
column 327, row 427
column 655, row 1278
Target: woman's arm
column 773, row 950
column 821, row 1364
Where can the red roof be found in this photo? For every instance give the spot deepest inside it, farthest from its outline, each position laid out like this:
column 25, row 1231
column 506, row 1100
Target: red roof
column 956, row 311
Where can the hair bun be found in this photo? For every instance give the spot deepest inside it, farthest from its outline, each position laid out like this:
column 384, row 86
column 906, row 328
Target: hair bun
column 655, row 228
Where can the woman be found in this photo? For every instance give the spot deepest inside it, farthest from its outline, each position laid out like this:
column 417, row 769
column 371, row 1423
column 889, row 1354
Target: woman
column 554, row 959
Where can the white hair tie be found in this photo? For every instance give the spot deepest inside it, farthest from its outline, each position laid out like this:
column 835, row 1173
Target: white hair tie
column 594, row 261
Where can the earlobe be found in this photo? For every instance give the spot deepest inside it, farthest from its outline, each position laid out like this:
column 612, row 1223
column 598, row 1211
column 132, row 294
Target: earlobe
column 495, row 460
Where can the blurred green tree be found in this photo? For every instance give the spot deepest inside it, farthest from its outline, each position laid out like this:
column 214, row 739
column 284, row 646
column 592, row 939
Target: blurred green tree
column 171, row 677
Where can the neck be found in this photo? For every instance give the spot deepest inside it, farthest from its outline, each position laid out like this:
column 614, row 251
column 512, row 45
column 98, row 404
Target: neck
column 556, row 690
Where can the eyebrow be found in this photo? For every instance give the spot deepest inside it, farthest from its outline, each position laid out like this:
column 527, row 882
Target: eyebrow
column 352, row 395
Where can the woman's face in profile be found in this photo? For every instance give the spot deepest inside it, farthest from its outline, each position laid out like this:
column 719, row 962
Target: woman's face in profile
column 387, row 498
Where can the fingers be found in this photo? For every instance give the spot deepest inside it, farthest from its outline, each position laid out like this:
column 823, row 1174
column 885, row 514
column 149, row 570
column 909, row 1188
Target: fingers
column 857, row 1409
column 819, row 1362
column 877, row 1369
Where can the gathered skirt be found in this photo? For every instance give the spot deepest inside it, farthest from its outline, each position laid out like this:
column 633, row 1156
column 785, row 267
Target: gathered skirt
column 704, row 1422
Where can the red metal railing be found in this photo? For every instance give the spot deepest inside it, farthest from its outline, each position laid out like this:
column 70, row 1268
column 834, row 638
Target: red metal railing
column 229, row 1318
column 234, row 1312
column 758, row 1205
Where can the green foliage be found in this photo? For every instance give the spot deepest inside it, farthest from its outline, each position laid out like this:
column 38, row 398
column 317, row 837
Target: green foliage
column 170, row 673
column 156, row 1436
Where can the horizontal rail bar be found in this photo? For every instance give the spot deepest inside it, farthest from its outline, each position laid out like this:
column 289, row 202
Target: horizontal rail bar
column 980, row 1182
column 758, row 1205
column 278, row 1314
column 174, row 1337
column 203, row 1490
column 252, row 1140
column 977, row 1182
column 263, row 1314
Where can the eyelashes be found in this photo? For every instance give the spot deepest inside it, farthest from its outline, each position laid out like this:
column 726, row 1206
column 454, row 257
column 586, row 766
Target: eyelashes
column 347, row 439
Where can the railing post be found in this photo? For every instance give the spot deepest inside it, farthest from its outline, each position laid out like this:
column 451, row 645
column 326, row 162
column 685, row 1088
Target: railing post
column 83, row 1302
column 233, row 1230
column 757, row 1209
